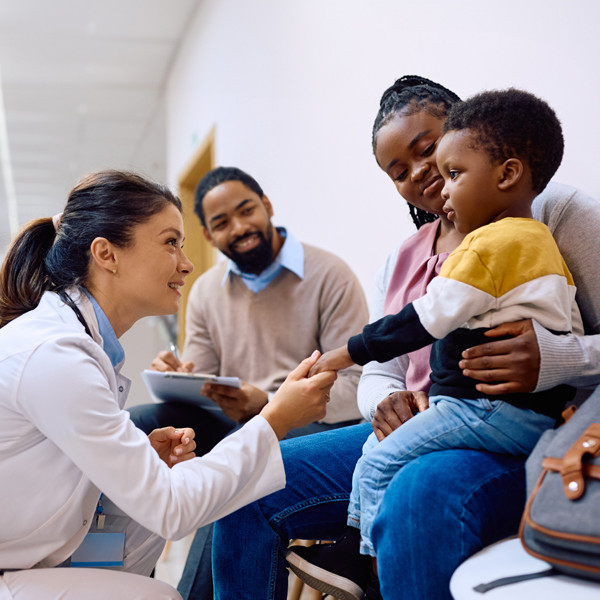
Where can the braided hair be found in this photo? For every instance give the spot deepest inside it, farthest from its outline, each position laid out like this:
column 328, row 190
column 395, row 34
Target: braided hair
column 411, row 94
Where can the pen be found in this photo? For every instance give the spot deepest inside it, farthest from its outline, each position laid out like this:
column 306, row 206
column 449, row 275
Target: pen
column 174, row 350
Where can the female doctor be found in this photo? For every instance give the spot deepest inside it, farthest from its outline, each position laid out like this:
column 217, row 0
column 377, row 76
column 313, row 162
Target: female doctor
column 71, row 461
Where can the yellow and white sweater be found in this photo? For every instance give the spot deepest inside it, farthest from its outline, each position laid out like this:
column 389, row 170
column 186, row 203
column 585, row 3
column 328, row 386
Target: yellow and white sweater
column 505, row 271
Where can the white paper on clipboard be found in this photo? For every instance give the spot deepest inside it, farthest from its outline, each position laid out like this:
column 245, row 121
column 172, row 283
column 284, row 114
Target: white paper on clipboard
column 185, row 387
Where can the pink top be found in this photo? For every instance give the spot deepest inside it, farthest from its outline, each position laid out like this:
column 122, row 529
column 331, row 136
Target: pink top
column 415, row 267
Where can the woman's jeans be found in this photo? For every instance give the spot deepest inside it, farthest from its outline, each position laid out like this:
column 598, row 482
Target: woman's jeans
column 449, row 423
column 437, row 511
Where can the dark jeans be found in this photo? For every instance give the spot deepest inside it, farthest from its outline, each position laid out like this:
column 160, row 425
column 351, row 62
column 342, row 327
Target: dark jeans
column 438, row 510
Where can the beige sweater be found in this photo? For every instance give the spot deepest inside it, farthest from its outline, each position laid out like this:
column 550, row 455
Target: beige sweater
column 232, row 331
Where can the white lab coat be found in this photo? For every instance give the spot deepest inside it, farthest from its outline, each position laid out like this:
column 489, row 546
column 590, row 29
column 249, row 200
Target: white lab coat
column 64, row 437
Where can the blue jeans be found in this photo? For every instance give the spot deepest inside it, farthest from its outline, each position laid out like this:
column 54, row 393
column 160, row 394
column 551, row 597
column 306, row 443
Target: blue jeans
column 478, row 424
column 437, row 511
column 249, row 545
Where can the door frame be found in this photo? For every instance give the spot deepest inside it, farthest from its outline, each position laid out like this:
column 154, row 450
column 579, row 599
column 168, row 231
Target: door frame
column 197, row 248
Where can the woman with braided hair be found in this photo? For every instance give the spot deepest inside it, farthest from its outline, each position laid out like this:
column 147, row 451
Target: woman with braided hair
column 445, row 506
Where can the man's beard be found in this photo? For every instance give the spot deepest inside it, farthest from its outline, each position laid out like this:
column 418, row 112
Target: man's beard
column 254, row 261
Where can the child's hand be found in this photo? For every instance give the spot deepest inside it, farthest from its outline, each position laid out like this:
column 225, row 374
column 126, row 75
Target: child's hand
column 334, row 360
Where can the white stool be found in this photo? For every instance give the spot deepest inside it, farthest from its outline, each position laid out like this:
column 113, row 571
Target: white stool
column 507, row 558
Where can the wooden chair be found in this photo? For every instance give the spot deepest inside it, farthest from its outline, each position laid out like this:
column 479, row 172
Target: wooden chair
column 297, row 589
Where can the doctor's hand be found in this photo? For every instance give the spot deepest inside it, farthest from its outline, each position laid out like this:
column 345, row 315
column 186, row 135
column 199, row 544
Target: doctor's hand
column 239, row 404
column 301, row 399
column 173, row 445
column 167, row 361
column 505, row 366
column 396, row 409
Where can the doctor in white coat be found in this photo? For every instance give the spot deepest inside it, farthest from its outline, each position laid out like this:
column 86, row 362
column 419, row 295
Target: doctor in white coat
column 71, row 461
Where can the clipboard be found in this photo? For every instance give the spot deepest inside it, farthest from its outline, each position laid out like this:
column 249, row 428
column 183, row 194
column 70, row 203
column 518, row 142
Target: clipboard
column 172, row 386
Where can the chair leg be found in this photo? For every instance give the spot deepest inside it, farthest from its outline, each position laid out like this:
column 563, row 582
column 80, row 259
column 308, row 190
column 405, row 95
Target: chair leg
column 166, row 550
column 297, row 589
column 314, row 594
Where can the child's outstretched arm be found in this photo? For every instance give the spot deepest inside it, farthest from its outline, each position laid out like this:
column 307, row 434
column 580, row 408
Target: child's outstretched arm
column 334, row 360
column 381, row 340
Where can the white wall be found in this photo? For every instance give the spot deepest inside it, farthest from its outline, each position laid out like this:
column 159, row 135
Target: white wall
column 145, row 340
column 293, row 88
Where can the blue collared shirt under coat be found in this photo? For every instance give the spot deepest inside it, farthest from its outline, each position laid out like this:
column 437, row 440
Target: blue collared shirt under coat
column 111, row 344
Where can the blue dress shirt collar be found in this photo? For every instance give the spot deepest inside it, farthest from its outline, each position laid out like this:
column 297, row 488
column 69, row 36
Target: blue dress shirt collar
column 290, row 257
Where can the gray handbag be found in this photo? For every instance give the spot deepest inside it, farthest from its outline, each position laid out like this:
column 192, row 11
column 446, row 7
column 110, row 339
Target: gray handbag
column 561, row 521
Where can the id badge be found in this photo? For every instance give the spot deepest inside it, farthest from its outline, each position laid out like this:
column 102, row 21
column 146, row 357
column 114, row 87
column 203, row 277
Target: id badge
column 100, row 550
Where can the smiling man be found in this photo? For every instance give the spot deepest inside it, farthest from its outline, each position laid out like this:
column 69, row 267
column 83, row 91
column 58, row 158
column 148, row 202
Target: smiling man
column 269, row 306
column 256, row 315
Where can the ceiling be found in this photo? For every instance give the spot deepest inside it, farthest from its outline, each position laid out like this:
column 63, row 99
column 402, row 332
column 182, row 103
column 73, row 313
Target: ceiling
column 82, row 87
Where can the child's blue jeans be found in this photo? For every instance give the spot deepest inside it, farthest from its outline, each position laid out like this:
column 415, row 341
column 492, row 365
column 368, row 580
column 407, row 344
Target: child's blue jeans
column 479, row 424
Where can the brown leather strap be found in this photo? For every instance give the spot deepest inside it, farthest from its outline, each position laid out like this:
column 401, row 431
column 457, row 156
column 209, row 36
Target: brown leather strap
column 572, row 469
column 568, row 413
column 555, row 464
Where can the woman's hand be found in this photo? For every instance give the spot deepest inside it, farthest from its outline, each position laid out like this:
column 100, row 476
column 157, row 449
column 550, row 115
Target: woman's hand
column 301, row 399
column 505, row 366
column 396, row 409
column 173, row 445
column 334, row 360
